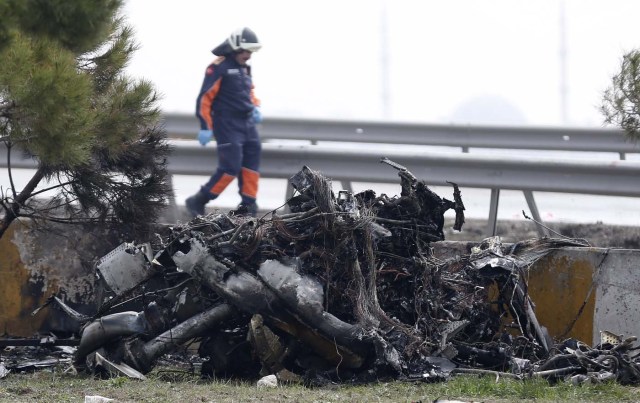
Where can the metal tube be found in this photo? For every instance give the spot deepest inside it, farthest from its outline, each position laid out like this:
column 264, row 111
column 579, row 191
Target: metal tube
column 187, row 330
column 107, row 328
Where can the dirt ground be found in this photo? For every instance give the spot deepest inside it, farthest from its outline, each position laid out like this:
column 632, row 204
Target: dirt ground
column 597, row 234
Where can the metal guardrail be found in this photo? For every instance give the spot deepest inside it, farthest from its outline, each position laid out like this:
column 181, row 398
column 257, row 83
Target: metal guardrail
column 616, row 177
column 619, row 178
column 463, row 136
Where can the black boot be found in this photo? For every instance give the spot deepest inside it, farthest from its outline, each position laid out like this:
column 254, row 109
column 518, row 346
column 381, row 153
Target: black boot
column 250, row 208
column 195, row 204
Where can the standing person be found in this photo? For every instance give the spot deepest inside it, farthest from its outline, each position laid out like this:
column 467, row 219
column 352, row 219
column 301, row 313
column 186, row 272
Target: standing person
column 228, row 107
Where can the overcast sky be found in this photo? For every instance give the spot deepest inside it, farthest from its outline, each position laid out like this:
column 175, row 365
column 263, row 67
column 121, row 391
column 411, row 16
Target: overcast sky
column 453, row 61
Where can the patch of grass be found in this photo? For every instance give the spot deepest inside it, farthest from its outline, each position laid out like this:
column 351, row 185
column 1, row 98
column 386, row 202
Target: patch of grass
column 47, row 386
column 486, row 387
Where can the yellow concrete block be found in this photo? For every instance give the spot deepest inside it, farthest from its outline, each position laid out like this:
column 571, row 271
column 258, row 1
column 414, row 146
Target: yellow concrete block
column 561, row 288
column 36, row 264
column 17, row 298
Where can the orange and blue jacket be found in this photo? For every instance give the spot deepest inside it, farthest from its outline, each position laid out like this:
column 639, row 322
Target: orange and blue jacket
column 227, row 90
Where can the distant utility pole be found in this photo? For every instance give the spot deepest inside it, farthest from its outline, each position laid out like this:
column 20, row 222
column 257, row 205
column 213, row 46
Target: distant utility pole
column 563, row 65
column 384, row 62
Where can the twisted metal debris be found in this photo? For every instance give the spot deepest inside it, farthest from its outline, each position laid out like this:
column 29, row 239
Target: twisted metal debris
column 341, row 288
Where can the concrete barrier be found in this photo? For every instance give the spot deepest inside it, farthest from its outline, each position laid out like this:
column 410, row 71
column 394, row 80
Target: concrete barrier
column 577, row 292
column 35, row 264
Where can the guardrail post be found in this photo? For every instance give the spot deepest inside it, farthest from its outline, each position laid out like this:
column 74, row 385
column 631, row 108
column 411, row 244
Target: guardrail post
column 533, row 208
column 493, row 212
column 347, row 186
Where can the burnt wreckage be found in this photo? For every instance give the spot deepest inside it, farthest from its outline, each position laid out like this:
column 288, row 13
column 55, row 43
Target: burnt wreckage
column 341, row 288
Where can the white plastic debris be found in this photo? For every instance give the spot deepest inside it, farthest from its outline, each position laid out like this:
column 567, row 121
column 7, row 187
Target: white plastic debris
column 97, row 399
column 269, row 381
column 3, row 371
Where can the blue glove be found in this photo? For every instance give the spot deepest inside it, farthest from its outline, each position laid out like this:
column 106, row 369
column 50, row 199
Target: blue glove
column 257, row 116
column 205, row 136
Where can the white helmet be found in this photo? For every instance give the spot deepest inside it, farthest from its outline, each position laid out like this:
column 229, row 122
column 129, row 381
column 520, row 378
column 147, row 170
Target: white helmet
column 240, row 39
column 244, row 38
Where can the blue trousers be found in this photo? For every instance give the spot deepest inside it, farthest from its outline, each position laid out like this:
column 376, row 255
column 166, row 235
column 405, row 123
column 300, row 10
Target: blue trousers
column 238, row 148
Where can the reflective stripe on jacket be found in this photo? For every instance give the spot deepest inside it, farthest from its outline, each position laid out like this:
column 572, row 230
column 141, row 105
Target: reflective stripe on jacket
column 227, row 89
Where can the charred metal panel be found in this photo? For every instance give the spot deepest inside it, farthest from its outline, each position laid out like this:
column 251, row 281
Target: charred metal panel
column 125, row 267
